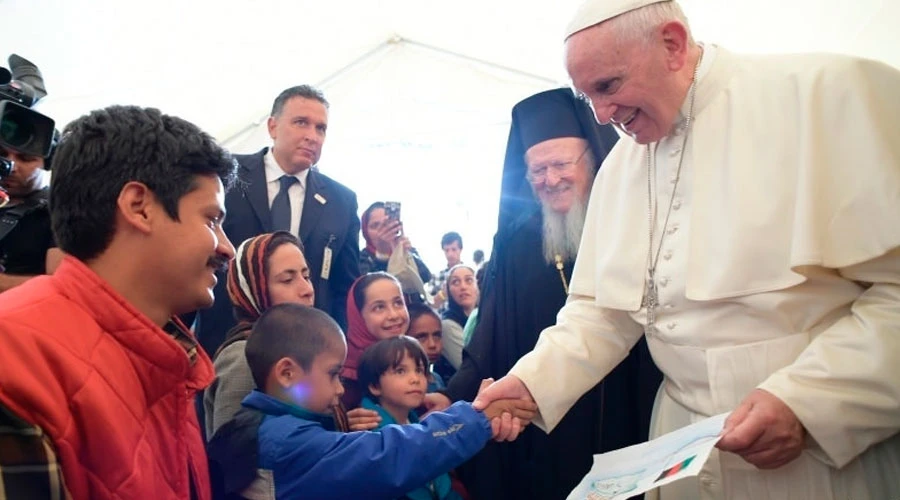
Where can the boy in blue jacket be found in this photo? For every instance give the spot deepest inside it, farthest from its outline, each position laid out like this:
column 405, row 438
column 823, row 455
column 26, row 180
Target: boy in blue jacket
column 295, row 354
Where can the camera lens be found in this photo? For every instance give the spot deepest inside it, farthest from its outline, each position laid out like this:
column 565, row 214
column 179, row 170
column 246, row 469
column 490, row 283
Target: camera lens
column 15, row 130
column 6, row 167
column 16, row 134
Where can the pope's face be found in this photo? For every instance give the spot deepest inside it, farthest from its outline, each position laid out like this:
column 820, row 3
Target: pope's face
column 628, row 83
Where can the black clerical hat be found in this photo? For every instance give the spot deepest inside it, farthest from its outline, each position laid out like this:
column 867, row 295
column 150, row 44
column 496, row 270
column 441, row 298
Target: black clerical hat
column 546, row 115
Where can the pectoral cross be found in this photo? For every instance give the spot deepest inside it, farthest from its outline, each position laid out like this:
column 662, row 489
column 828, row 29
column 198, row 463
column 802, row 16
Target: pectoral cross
column 651, row 301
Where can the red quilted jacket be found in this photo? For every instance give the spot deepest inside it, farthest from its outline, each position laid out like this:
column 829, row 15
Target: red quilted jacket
column 112, row 390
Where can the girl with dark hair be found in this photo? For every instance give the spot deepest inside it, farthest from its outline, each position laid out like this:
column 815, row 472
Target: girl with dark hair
column 375, row 311
column 462, row 299
column 425, row 326
column 393, row 374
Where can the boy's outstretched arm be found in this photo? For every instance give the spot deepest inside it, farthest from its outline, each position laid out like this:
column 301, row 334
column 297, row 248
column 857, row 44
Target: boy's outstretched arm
column 330, row 465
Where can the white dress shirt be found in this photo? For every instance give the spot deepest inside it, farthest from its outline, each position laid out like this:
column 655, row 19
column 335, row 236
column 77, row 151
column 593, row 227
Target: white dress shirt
column 296, row 192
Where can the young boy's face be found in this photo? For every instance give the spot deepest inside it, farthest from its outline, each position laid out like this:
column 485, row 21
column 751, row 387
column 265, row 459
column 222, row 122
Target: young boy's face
column 427, row 330
column 319, row 389
column 402, row 386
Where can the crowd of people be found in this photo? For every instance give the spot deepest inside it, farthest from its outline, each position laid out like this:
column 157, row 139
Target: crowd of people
column 683, row 233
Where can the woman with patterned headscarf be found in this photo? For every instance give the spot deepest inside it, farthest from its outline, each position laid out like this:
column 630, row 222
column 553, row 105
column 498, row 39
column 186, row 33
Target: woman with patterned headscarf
column 268, row 269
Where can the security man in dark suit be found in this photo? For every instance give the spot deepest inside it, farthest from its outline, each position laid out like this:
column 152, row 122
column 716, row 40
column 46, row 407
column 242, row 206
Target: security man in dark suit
column 280, row 190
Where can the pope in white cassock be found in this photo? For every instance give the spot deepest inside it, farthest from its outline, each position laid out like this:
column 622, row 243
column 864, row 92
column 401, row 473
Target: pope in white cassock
column 751, row 230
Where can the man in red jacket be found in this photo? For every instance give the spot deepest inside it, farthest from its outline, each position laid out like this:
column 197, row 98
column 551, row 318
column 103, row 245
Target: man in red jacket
column 99, row 375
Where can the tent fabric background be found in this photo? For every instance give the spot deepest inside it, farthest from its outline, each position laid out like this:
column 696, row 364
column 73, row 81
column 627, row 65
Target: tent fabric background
column 424, row 122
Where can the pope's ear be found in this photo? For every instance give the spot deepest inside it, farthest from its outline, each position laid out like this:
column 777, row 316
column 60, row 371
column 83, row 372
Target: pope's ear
column 675, row 39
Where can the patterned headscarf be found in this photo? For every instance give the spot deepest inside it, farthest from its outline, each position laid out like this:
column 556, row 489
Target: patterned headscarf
column 248, row 286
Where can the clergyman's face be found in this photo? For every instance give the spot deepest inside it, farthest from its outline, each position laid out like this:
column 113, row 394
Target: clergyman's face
column 628, row 83
column 559, row 171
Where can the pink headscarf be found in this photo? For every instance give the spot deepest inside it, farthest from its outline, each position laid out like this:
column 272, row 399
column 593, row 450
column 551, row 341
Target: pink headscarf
column 359, row 338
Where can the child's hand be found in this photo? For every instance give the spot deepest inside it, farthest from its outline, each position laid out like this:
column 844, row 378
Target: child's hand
column 506, row 426
column 523, row 409
column 361, row 419
column 435, row 401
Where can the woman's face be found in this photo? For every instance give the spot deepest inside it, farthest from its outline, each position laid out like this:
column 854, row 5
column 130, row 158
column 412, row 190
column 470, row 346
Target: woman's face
column 384, row 311
column 288, row 277
column 376, row 219
column 463, row 287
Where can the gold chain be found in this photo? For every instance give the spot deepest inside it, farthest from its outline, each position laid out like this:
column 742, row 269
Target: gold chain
column 562, row 275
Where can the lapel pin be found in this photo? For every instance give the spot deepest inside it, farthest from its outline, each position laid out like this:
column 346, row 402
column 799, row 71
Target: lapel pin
column 321, row 199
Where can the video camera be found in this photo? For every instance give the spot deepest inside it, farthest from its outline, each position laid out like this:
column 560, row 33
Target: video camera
column 22, row 128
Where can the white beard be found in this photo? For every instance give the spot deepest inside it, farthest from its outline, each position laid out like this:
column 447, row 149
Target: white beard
column 562, row 232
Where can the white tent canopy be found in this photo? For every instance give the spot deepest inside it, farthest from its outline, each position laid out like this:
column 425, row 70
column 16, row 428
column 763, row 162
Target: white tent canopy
column 420, row 91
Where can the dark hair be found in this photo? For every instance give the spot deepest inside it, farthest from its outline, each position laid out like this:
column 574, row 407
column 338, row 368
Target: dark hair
column 419, row 309
column 364, row 220
column 293, row 331
column 478, row 256
column 373, row 206
column 280, row 238
column 101, row 152
column 454, row 310
column 304, row 91
column 385, row 355
column 359, row 291
column 450, row 237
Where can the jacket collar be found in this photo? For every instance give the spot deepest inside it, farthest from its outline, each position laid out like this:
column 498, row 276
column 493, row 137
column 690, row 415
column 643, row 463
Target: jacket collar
column 386, row 418
column 316, row 194
column 261, row 401
column 167, row 355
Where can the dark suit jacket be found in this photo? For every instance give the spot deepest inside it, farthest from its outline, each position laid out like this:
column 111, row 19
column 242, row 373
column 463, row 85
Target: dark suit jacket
column 333, row 224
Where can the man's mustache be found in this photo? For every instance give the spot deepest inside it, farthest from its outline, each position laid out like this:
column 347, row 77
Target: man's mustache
column 220, row 264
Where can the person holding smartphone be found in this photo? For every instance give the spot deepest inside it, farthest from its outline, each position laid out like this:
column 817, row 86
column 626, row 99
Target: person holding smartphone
column 383, row 231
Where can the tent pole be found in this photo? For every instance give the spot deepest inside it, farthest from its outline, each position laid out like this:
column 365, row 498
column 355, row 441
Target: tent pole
column 390, row 43
column 321, row 84
column 533, row 76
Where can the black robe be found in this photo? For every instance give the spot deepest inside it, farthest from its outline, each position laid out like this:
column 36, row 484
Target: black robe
column 522, row 296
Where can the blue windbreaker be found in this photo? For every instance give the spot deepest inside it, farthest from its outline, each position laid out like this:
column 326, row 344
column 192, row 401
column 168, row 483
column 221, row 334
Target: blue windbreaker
column 310, row 460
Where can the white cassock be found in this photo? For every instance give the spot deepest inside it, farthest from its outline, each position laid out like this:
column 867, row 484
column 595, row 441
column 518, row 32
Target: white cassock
column 780, row 270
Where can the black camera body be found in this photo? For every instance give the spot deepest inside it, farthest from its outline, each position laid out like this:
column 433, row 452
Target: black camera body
column 22, row 128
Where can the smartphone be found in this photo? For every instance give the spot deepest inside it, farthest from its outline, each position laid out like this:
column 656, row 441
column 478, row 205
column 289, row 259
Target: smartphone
column 392, row 210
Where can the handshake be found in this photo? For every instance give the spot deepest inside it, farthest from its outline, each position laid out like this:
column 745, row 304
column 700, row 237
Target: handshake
column 506, row 403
